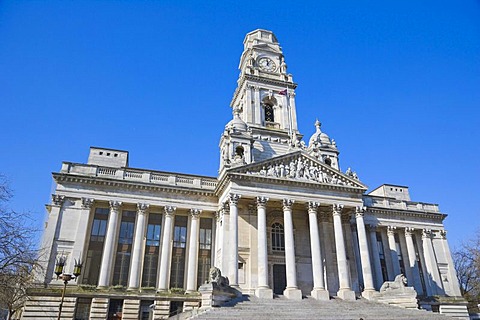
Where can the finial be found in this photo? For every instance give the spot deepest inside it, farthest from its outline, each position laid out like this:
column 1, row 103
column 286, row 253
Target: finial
column 318, row 124
column 236, row 112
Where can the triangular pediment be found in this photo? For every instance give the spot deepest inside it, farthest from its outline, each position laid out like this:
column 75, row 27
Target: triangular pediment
column 300, row 167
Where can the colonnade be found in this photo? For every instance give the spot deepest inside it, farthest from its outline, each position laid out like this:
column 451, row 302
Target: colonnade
column 138, row 247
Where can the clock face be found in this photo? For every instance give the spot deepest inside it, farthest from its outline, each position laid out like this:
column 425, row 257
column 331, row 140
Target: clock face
column 266, row 64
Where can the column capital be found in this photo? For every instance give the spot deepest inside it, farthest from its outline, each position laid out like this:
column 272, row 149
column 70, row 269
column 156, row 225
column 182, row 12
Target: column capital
column 426, row 233
column 312, row 206
column 409, row 231
column 87, row 203
column 391, row 230
column 115, row 205
column 360, row 211
column 195, row 213
column 142, row 208
column 233, row 198
column 170, row 210
column 287, row 204
column 218, row 215
column 262, row 202
column 337, row 209
column 443, row 234
column 58, row 199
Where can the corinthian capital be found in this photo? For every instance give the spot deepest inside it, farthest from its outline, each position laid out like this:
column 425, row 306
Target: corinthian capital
column 58, row 199
column 115, row 205
column 426, row 233
column 195, row 213
column 287, row 204
column 170, row 211
column 233, row 198
column 312, row 206
column 360, row 211
column 409, row 231
column 262, row 202
column 337, row 209
column 391, row 230
column 87, row 203
column 142, row 208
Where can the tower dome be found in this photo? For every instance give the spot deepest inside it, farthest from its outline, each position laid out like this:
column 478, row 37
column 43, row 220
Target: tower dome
column 237, row 124
column 319, row 138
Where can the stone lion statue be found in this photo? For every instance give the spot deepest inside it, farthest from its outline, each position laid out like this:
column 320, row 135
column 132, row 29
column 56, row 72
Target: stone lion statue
column 400, row 282
column 216, row 277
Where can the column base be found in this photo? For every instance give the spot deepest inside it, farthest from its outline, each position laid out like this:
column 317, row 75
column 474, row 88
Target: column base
column 293, row 293
column 264, row 293
column 320, row 294
column 368, row 293
column 346, row 294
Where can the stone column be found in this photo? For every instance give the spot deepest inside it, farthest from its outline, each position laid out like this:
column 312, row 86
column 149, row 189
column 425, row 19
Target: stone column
column 364, row 254
column 163, row 274
column 412, row 261
column 263, row 290
column 81, row 232
column 138, row 247
column 452, row 274
column 393, row 250
column 376, row 256
column 193, row 252
column 51, row 234
column 292, row 291
column 431, row 263
column 233, row 236
column 108, row 255
column 318, row 291
column 258, row 115
column 345, row 291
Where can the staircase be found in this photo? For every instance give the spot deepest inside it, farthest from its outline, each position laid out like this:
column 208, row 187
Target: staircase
column 250, row 307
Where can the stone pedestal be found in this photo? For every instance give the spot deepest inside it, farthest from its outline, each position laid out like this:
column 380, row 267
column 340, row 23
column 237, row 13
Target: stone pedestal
column 320, row 294
column 293, row 294
column 214, row 295
column 368, row 294
column 346, row 294
column 264, row 293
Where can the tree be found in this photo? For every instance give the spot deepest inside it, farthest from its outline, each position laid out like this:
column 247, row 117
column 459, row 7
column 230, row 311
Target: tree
column 18, row 253
column 467, row 265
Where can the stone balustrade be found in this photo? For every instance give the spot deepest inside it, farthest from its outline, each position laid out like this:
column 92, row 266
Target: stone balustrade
column 389, row 203
column 137, row 175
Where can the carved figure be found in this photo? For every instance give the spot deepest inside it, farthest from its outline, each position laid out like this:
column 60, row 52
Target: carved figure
column 399, row 283
column 216, row 277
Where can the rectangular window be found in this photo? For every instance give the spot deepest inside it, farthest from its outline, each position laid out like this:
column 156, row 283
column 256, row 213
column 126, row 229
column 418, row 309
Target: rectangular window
column 146, row 310
column 115, row 309
column 205, row 250
column 178, row 255
column 381, row 252
column 82, row 309
column 124, row 248
column 152, row 248
column 95, row 246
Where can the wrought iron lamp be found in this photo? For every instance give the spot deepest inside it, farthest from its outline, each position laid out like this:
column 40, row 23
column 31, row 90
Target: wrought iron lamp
column 66, row 277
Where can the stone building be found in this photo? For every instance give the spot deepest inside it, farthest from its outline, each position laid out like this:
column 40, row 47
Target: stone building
column 280, row 218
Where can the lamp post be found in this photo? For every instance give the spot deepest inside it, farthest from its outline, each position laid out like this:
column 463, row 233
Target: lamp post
column 66, row 277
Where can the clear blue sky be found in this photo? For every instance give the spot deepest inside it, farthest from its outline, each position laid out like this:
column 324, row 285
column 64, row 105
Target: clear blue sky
column 396, row 84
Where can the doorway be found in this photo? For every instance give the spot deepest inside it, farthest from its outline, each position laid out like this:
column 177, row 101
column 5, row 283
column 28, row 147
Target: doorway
column 279, row 278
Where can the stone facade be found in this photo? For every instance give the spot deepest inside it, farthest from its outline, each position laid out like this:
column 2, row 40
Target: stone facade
column 281, row 218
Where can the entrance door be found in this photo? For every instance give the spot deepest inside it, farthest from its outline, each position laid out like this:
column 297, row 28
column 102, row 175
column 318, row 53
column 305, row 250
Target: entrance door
column 279, row 278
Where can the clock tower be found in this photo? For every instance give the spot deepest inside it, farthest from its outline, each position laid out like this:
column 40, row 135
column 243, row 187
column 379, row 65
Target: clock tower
column 264, row 102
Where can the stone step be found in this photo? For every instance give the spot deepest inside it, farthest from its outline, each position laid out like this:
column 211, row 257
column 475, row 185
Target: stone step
column 281, row 308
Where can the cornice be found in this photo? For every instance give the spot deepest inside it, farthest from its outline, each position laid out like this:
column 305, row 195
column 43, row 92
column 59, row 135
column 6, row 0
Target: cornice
column 406, row 213
column 87, row 180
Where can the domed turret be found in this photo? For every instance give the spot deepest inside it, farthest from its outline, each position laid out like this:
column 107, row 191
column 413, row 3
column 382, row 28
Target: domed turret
column 236, row 123
column 319, row 138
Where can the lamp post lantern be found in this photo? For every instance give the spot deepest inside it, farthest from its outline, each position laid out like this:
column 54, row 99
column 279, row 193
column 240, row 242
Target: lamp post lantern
column 66, row 277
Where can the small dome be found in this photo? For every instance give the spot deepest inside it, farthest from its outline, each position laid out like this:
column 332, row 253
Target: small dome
column 319, row 138
column 236, row 123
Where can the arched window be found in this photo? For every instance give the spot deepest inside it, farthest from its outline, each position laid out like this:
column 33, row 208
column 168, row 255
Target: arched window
column 269, row 116
column 278, row 237
column 328, row 161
